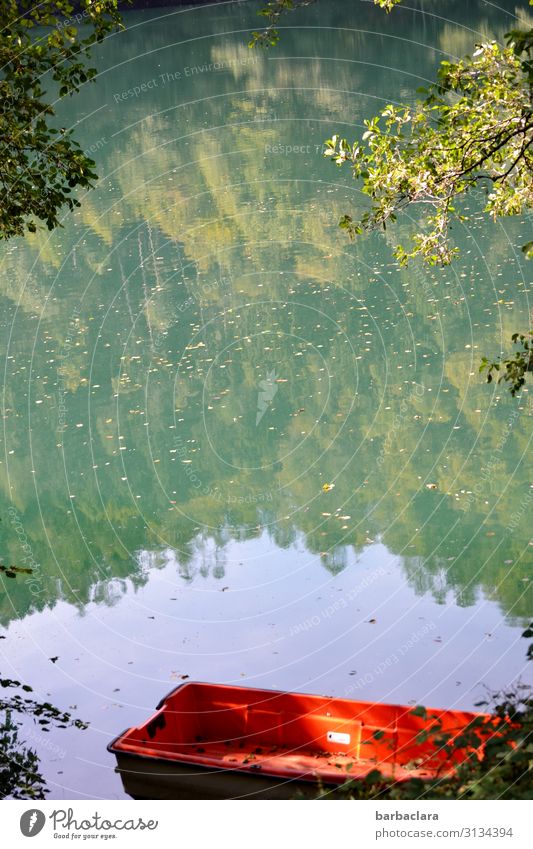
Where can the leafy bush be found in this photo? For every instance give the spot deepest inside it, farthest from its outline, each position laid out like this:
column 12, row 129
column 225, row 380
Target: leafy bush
column 505, row 770
column 19, row 765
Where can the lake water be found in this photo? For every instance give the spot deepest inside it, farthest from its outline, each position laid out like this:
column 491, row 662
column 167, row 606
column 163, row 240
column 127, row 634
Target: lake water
column 238, row 448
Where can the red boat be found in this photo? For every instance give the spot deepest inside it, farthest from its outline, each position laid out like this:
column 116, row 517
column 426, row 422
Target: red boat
column 212, row 741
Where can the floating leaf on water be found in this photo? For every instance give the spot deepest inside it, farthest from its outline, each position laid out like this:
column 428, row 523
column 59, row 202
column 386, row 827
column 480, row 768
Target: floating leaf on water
column 12, row 571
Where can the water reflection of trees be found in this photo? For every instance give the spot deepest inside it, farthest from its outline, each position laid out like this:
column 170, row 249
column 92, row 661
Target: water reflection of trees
column 201, row 227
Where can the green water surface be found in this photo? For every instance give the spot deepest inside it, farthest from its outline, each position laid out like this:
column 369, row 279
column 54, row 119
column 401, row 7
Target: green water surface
column 237, row 447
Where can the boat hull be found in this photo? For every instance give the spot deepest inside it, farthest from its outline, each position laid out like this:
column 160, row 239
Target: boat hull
column 153, row 779
column 214, row 741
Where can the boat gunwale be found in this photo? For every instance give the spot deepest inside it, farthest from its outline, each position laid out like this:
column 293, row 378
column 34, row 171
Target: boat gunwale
column 241, row 771
column 252, row 771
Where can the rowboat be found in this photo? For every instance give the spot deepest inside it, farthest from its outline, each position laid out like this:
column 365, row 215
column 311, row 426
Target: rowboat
column 215, row 741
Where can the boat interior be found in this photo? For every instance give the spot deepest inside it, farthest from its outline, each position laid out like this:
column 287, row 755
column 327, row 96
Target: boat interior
column 292, row 734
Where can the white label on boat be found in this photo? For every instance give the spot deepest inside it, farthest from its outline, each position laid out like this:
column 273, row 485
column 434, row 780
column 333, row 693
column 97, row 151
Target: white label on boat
column 338, row 737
